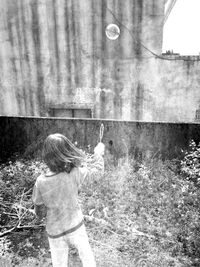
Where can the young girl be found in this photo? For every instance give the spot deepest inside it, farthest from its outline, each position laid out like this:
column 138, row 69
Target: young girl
column 57, row 190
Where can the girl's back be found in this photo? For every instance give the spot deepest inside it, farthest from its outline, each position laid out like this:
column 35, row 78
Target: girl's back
column 59, row 193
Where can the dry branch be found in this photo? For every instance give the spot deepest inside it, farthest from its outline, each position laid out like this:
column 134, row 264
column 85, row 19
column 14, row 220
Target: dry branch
column 133, row 232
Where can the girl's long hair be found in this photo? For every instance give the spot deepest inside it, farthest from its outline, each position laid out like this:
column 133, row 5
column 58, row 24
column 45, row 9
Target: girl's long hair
column 60, row 154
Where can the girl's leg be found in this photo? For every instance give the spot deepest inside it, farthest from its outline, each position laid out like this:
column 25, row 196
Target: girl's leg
column 79, row 239
column 59, row 252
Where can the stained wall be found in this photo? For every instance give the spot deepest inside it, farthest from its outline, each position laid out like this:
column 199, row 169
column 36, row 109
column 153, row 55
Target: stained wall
column 54, row 53
column 122, row 139
column 172, row 88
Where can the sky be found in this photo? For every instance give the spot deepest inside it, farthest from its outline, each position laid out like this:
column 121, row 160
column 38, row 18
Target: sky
column 182, row 29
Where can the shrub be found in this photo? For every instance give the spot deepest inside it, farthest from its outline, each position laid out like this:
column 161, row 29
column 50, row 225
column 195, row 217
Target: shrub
column 16, row 183
column 149, row 198
column 190, row 165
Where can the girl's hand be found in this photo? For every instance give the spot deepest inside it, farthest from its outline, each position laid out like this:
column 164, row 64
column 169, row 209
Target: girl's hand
column 99, row 149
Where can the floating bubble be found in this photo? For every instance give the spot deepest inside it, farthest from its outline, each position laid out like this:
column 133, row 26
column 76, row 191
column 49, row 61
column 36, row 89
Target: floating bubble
column 112, row 31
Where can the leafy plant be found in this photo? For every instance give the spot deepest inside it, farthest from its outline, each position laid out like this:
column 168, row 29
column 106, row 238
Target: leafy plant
column 17, row 180
column 190, row 165
column 146, row 212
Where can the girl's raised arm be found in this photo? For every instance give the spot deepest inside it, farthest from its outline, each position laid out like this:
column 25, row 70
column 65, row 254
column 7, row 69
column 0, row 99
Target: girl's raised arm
column 94, row 166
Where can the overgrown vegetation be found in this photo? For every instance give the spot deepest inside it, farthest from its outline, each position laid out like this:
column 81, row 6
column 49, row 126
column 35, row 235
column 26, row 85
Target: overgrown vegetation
column 137, row 214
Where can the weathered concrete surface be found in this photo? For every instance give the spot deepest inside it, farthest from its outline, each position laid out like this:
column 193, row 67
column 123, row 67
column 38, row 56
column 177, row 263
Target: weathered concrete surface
column 171, row 89
column 122, row 138
column 55, row 53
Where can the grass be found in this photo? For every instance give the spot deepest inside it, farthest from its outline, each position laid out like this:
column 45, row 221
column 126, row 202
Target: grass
column 145, row 214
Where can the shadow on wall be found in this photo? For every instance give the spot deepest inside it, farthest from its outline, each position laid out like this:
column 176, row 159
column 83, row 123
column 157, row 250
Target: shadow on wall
column 138, row 139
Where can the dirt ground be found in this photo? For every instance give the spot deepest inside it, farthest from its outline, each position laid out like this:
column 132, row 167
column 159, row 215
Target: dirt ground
column 30, row 249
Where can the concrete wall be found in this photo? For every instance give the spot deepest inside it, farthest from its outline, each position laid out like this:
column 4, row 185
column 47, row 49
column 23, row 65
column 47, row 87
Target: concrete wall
column 54, row 53
column 172, row 88
column 122, row 138
column 179, row 89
